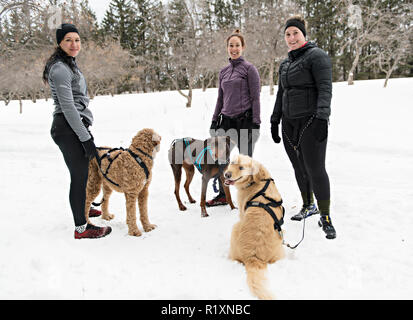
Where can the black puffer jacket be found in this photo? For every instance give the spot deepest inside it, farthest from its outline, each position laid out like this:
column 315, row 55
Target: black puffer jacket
column 305, row 84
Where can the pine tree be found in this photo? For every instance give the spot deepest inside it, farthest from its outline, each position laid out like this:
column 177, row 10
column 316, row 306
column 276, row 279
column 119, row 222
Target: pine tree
column 119, row 22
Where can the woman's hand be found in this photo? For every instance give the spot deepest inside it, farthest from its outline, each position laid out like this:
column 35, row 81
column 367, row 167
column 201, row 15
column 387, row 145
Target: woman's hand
column 274, row 132
column 320, row 129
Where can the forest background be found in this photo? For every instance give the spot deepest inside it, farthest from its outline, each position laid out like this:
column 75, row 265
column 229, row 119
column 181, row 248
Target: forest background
column 155, row 45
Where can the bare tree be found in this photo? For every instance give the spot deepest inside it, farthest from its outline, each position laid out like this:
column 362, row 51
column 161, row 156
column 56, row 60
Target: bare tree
column 105, row 67
column 395, row 42
column 181, row 42
column 365, row 23
column 264, row 30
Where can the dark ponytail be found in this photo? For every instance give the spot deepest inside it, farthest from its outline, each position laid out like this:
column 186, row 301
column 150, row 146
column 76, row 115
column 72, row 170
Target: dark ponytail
column 58, row 54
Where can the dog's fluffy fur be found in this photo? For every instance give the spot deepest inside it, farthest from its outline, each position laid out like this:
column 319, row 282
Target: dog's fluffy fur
column 131, row 178
column 254, row 241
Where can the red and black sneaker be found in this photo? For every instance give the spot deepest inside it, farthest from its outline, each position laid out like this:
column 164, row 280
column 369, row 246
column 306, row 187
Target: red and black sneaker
column 93, row 232
column 219, row 200
column 94, row 213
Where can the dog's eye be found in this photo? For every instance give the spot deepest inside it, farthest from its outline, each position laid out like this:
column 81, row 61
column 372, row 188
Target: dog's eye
column 241, row 168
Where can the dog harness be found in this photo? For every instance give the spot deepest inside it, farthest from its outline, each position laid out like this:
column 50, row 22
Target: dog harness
column 134, row 156
column 267, row 206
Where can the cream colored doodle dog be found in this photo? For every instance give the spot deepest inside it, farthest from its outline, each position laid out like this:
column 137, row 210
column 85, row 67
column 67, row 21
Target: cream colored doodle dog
column 256, row 239
column 128, row 171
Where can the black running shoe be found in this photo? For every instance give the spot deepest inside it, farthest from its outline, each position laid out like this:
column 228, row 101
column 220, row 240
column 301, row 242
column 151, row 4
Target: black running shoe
column 326, row 224
column 305, row 212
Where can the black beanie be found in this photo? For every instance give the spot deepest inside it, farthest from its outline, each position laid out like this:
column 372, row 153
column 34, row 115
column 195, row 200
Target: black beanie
column 295, row 23
column 63, row 29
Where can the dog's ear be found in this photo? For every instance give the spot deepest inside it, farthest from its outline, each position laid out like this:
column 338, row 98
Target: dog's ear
column 258, row 171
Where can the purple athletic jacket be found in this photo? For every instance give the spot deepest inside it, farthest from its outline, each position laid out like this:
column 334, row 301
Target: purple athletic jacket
column 239, row 90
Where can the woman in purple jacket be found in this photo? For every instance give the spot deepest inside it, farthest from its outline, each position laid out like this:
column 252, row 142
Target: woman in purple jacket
column 237, row 112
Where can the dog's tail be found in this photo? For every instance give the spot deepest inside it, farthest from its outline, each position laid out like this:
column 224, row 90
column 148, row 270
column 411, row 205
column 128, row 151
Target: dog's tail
column 256, row 278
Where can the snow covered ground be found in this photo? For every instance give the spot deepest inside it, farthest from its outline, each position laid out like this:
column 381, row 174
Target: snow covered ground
column 369, row 161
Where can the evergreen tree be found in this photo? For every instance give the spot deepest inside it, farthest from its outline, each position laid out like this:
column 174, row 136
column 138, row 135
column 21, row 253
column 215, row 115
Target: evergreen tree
column 119, row 22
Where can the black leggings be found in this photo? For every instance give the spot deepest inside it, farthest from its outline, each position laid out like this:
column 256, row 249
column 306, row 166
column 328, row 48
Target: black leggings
column 241, row 132
column 309, row 161
column 76, row 162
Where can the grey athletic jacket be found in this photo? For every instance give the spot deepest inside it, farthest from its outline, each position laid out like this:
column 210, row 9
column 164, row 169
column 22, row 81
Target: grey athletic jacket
column 69, row 92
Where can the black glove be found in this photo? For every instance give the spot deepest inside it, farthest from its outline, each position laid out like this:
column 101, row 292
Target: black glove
column 274, row 132
column 255, row 126
column 213, row 128
column 90, row 149
column 320, row 129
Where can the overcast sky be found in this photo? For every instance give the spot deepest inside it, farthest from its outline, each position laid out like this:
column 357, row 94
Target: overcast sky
column 99, row 7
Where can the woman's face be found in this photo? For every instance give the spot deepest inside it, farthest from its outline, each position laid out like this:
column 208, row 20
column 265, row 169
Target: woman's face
column 235, row 48
column 71, row 44
column 294, row 38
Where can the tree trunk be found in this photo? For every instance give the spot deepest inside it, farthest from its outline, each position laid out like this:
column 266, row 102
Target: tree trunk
column 353, row 67
column 271, row 77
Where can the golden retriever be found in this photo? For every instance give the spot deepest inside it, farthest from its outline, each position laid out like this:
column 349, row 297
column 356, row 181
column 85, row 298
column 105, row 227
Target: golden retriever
column 128, row 171
column 254, row 241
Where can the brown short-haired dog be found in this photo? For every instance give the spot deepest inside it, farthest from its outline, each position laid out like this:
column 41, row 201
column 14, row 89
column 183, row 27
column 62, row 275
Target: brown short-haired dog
column 128, row 171
column 209, row 156
column 256, row 239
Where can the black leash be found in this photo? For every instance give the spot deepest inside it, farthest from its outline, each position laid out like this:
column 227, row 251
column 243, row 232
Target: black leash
column 302, row 238
column 302, row 168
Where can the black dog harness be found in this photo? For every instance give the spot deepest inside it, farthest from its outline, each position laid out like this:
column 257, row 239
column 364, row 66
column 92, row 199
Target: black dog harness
column 267, row 206
column 110, row 159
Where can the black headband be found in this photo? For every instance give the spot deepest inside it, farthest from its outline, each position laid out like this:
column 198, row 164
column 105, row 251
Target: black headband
column 63, row 29
column 295, row 23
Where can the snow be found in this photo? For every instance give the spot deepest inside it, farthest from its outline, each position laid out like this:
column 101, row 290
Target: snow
column 369, row 161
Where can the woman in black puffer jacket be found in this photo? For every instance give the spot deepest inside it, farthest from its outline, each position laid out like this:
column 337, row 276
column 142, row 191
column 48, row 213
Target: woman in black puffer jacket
column 303, row 105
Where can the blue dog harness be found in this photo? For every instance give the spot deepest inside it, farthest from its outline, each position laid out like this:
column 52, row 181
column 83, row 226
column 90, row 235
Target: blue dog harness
column 200, row 156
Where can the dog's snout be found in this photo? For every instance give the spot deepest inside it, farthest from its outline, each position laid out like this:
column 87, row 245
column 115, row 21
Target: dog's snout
column 228, row 175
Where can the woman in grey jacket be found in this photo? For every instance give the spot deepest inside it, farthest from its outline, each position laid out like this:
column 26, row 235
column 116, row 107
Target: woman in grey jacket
column 237, row 111
column 71, row 119
column 303, row 105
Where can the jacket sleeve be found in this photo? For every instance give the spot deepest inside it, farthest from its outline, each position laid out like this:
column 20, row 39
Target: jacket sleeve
column 322, row 72
column 254, row 89
column 220, row 100
column 277, row 112
column 61, row 77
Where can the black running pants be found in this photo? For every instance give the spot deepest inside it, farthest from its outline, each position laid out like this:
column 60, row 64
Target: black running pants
column 309, row 161
column 76, row 162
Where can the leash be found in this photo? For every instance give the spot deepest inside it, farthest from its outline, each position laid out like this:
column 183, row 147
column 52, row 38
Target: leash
column 295, row 147
column 302, row 238
column 301, row 165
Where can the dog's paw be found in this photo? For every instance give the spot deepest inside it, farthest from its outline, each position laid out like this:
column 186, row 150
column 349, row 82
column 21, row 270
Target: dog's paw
column 182, row 208
column 108, row 216
column 135, row 232
column 192, row 201
column 149, row 227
